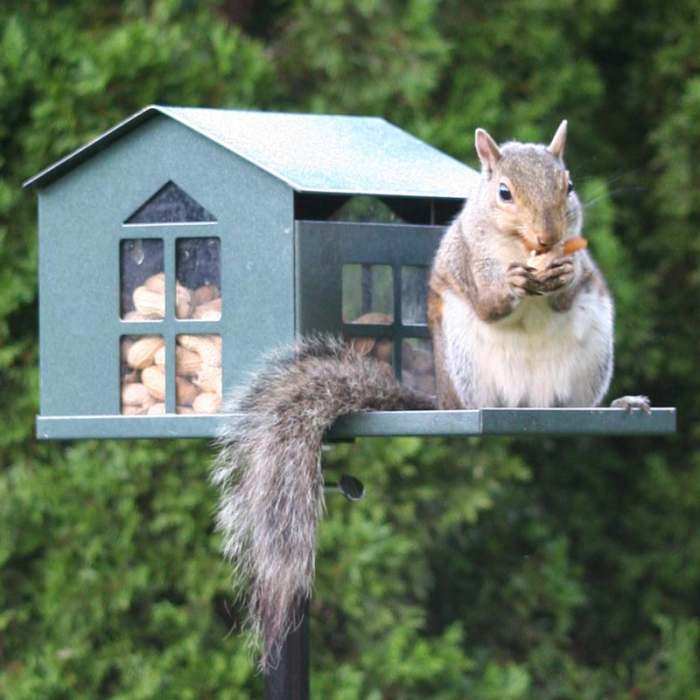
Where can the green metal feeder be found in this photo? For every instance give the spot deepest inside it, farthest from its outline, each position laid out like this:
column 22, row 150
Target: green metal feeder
column 264, row 208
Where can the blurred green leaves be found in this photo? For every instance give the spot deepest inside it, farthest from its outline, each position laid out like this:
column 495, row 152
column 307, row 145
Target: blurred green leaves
column 481, row 569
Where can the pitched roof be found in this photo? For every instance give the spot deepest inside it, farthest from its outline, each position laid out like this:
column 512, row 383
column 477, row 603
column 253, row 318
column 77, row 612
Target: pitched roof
column 310, row 152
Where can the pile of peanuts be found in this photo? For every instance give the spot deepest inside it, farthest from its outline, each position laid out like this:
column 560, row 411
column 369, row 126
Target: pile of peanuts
column 197, row 357
column 197, row 374
column 202, row 303
column 417, row 367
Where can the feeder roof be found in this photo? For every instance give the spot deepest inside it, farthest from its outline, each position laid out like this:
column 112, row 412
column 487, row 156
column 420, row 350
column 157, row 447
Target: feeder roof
column 310, row 152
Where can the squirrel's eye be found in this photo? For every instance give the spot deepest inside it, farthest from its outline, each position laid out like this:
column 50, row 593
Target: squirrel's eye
column 504, row 193
column 570, row 188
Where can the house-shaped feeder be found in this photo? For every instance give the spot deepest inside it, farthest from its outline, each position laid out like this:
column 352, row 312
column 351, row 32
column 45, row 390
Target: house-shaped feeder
column 180, row 247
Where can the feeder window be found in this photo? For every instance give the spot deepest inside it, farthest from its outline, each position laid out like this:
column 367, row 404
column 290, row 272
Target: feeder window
column 198, row 373
column 177, row 281
column 197, row 383
column 414, row 295
column 198, row 272
column 417, row 364
column 170, row 205
column 380, row 348
column 368, row 294
column 142, row 375
column 142, row 282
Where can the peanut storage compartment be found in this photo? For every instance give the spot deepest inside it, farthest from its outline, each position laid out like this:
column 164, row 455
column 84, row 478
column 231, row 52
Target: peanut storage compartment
column 373, row 279
column 198, row 373
column 142, row 375
column 221, row 235
column 198, row 294
column 142, row 281
column 187, row 364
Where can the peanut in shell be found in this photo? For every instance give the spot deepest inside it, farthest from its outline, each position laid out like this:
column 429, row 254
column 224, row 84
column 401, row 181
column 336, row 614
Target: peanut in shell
column 134, row 394
column 207, row 402
column 142, row 353
column 154, row 379
column 149, row 303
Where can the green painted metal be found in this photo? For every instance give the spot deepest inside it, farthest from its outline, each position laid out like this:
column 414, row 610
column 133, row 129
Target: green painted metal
column 491, row 421
column 310, row 152
column 245, row 168
column 322, row 248
column 80, row 226
column 507, row 421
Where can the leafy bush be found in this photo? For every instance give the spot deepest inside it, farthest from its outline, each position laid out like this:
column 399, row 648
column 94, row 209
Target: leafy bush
column 487, row 569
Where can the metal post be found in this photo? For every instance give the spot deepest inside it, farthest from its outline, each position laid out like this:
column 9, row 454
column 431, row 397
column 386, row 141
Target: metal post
column 290, row 680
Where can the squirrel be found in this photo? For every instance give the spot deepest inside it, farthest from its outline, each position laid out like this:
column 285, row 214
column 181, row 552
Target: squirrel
column 505, row 334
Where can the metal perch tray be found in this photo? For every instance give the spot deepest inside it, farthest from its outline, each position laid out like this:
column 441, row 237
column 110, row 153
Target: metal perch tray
column 488, row 421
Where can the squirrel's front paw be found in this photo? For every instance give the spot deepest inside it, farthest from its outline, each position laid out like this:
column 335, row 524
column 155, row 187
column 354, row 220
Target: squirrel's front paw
column 558, row 274
column 521, row 280
column 630, row 402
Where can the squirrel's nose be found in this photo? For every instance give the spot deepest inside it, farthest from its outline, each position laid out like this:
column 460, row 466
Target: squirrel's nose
column 543, row 241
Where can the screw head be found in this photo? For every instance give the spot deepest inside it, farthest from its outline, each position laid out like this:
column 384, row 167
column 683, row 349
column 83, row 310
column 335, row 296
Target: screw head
column 353, row 489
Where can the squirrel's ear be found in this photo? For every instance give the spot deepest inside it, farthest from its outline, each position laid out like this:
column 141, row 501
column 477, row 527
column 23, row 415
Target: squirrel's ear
column 556, row 148
column 487, row 149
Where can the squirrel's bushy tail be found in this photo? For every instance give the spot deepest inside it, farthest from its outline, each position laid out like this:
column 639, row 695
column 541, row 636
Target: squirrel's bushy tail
column 269, row 474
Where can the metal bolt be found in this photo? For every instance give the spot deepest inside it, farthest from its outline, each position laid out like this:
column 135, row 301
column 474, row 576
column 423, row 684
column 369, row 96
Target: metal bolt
column 353, row 489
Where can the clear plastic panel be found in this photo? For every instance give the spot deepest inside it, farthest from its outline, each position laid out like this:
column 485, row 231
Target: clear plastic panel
column 142, row 375
column 380, row 348
column 417, row 366
column 368, row 294
column 198, row 271
column 365, row 208
column 414, row 295
column 142, row 281
column 170, row 204
column 198, row 373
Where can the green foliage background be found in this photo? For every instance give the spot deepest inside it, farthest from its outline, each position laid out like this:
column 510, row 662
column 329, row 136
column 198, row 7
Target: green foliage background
column 484, row 569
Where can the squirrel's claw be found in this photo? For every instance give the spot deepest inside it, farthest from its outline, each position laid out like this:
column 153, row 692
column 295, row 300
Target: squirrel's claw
column 558, row 274
column 521, row 280
column 558, row 262
column 628, row 403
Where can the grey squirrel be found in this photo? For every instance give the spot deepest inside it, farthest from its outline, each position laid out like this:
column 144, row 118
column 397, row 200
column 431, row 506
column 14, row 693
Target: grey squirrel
column 514, row 322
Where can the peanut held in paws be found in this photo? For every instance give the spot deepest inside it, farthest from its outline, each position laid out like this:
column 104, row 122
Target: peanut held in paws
column 540, row 262
column 573, row 244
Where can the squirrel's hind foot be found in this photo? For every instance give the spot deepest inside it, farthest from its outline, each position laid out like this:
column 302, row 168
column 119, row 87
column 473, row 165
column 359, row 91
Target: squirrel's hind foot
column 631, row 402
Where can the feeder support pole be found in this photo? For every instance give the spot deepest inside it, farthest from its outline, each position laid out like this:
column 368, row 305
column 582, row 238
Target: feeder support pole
column 290, row 680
